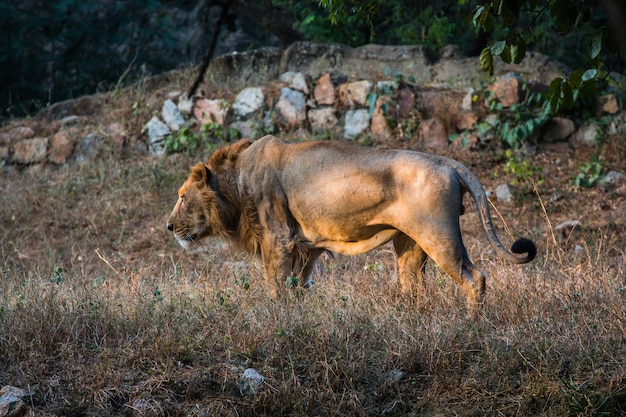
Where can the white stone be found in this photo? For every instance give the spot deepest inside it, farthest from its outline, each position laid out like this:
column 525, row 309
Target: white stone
column 250, row 382
column 356, row 122
column 296, row 81
column 185, row 104
column 157, row 132
column 291, row 107
column 503, row 193
column 171, row 116
column 248, row 101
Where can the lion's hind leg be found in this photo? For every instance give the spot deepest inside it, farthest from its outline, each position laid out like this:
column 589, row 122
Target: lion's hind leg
column 411, row 264
column 454, row 260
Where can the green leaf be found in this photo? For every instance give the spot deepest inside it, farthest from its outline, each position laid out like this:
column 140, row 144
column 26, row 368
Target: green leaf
column 486, row 61
column 498, row 47
column 567, row 94
column 589, row 75
column 576, row 78
column 518, row 50
column 506, row 54
column 478, row 16
column 596, row 46
column 488, row 22
column 555, row 86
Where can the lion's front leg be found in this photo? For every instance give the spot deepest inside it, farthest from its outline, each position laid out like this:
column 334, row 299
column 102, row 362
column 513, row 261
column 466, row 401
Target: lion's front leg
column 277, row 262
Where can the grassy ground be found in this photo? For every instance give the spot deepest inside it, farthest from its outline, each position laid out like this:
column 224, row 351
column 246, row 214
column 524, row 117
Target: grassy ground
column 101, row 313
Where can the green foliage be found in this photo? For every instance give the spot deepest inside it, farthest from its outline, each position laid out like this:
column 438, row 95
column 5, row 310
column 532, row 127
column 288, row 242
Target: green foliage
column 188, row 141
column 519, row 122
column 522, row 169
column 185, row 140
column 589, row 173
column 511, row 25
column 514, row 125
column 555, row 27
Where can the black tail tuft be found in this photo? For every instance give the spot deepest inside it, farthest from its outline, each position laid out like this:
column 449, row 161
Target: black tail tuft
column 523, row 245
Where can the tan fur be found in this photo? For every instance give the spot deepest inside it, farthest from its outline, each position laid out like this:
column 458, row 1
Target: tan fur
column 288, row 203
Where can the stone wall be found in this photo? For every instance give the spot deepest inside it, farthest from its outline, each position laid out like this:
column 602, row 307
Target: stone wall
column 373, row 92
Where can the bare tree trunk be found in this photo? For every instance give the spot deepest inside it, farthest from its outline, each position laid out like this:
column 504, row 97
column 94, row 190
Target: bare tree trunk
column 209, row 54
column 616, row 10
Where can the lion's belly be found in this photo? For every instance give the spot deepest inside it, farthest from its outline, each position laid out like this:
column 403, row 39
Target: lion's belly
column 360, row 243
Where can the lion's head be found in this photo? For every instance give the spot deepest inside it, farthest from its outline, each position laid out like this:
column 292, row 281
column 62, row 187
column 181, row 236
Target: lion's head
column 196, row 213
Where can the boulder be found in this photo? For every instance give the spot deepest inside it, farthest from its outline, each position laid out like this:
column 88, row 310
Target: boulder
column 171, row 116
column 29, row 151
column 87, row 148
column 508, row 90
column 586, row 135
column 16, row 134
column 504, row 192
column 379, row 126
column 61, row 148
column 432, row 134
column 607, row 104
column 157, row 132
column 356, row 122
column 250, row 382
column 210, row 111
column 406, row 102
column 248, row 101
column 11, row 402
column 353, row 95
column 322, row 119
column 291, row 107
column 324, row 92
column 295, row 81
column 558, row 129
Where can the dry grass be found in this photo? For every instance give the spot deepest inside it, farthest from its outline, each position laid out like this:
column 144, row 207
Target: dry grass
column 102, row 314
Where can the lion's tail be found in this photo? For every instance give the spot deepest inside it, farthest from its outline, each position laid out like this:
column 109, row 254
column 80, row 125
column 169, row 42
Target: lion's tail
column 520, row 246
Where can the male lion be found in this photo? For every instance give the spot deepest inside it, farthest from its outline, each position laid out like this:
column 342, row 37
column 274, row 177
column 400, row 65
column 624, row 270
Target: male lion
column 289, row 203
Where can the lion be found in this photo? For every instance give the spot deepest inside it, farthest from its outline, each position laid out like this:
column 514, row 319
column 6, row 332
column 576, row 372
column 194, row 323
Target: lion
column 290, row 202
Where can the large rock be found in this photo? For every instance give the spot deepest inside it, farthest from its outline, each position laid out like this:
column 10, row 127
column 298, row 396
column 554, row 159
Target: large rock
column 172, row 116
column 250, row 382
column 16, row 134
column 587, row 135
column 406, row 102
column 211, row 111
column 157, row 132
column 356, row 122
column 364, row 62
column 248, row 101
column 11, row 401
column 322, row 119
column 61, row 148
column 87, row 148
column 295, row 81
column 291, row 107
column 241, row 69
column 608, row 104
column 432, row 134
column 354, row 95
column 324, row 92
column 508, row 90
column 379, row 126
column 29, row 151
column 558, row 129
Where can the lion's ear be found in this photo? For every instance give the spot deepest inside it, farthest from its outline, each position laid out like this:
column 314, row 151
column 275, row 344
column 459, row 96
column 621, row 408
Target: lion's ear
column 202, row 173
